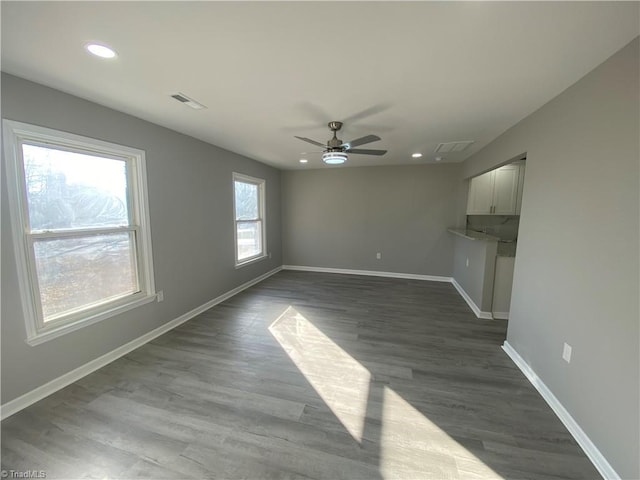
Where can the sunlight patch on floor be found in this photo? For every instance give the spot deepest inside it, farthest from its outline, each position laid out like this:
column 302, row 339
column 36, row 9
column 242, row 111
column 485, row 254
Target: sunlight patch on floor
column 410, row 443
column 411, row 446
column 341, row 382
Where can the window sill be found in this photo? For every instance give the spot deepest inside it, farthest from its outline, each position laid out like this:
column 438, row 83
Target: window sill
column 50, row 334
column 249, row 261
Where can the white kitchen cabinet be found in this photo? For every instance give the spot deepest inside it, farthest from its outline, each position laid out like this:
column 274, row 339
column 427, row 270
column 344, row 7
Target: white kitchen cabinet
column 481, row 194
column 505, row 190
column 495, row 192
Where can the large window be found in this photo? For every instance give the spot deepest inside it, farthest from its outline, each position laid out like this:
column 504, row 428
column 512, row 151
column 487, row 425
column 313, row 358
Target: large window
column 249, row 217
column 80, row 227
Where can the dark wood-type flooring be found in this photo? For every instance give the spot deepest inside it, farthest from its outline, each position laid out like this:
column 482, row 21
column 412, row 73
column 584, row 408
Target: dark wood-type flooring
column 306, row 375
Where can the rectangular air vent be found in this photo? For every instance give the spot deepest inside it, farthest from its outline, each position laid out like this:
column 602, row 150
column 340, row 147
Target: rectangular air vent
column 453, row 147
column 182, row 98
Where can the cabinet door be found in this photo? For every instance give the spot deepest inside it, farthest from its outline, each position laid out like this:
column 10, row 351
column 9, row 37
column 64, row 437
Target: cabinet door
column 481, row 195
column 505, row 190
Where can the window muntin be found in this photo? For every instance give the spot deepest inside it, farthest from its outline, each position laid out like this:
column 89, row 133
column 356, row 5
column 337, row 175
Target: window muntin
column 249, row 218
column 81, row 229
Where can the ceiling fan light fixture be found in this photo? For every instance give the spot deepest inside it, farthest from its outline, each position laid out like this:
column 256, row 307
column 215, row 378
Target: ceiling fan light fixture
column 334, row 158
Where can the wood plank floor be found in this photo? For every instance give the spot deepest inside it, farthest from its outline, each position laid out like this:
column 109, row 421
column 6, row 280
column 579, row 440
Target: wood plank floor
column 306, row 375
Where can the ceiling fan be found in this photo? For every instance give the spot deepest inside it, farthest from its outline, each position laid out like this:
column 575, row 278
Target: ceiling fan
column 336, row 151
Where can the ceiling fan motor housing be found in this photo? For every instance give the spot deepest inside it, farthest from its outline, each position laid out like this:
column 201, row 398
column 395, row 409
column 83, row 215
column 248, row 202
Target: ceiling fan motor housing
column 335, row 144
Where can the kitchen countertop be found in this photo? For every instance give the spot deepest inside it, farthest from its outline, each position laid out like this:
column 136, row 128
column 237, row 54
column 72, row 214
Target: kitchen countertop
column 505, row 248
column 472, row 234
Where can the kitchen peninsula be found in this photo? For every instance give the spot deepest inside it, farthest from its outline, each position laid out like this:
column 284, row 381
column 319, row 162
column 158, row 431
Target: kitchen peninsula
column 474, row 264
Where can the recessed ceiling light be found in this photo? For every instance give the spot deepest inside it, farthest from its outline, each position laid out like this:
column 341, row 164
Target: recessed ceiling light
column 303, row 160
column 438, row 159
column 101, row 51
column 416, row 155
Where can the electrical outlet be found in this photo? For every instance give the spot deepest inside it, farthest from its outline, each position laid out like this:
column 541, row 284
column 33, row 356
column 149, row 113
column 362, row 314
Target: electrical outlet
column 378, row 255
column 566, row 352
column 467, row 262
column 160, row 296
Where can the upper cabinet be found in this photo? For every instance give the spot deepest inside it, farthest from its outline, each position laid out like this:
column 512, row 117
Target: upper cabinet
column 498, row 192
column 480, row 200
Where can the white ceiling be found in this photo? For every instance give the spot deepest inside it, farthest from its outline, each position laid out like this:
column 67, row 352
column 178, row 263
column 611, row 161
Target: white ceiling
column 415, row 73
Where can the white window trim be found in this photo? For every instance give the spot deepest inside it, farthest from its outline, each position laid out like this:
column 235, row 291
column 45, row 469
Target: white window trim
column 261, row 183
column 37, row 332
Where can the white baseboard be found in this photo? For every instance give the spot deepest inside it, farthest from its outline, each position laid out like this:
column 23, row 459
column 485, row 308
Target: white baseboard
column 501, row 315
column 412, row 276
column 479, row 313
column 68, row 378
column 592, row 452
column 372, row 273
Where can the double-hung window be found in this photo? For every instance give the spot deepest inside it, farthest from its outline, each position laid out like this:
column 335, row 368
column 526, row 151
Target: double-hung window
column 249, row 218
column 81, row 228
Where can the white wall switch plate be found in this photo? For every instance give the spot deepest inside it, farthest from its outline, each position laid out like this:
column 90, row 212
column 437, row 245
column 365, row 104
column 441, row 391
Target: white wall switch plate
column 378, row 255
column 160, row 296
column 566, row 353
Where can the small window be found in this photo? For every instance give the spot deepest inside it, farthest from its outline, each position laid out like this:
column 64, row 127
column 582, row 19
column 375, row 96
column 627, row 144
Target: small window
column 80, row 227
column 249, row 218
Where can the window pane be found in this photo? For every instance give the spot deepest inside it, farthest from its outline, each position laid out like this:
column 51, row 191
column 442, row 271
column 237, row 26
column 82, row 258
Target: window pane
column 249, row 239
column 246, row 201
column 67, row 190
column 85, row 271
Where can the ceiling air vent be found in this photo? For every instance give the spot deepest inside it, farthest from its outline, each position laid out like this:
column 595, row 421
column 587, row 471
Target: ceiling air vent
column 182, row 98
column 453, row 147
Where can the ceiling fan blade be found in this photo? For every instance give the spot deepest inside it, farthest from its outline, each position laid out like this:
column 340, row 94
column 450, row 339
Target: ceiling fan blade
column 313, row 112
column 367, row 112
column 313, row 142
column 363, row 140
column 364, row 151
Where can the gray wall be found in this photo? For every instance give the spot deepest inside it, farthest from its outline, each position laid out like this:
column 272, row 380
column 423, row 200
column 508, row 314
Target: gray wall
column 190, row 203
column 341, row 217
column 576, row 272
column 476, row 279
